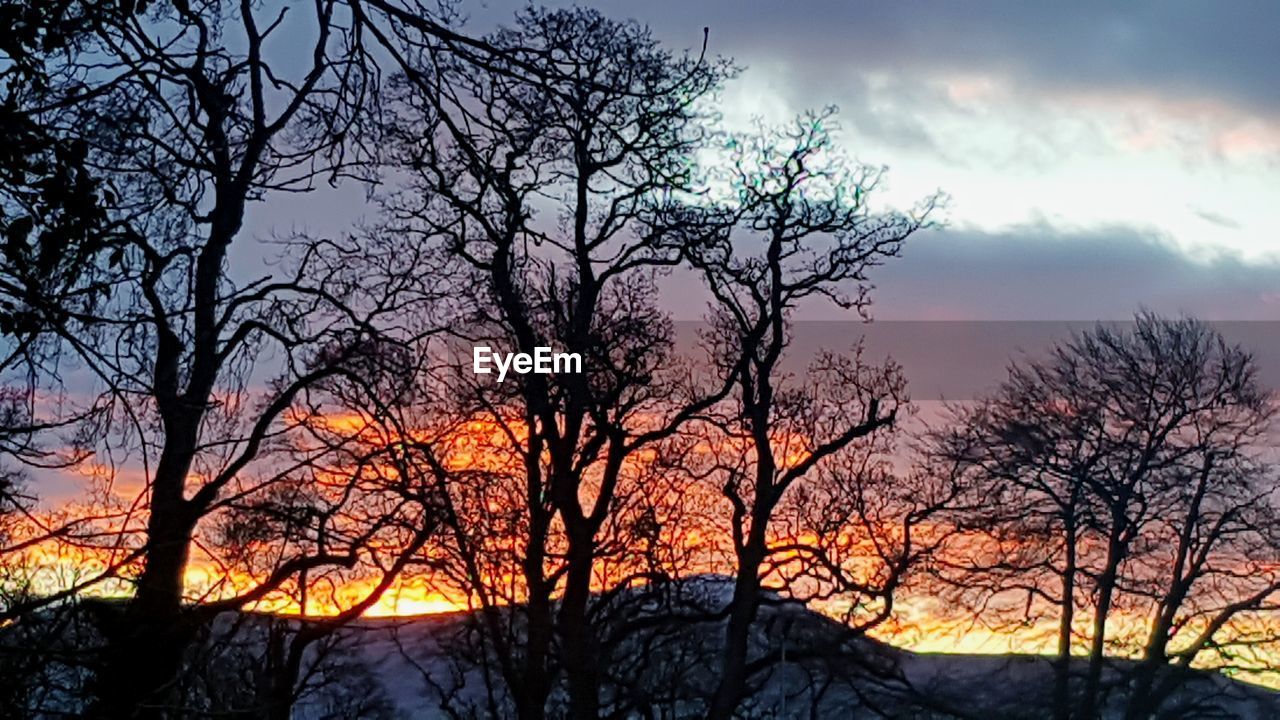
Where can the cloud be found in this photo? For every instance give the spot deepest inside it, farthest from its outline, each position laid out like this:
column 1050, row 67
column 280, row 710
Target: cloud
column 1177, row 49
column 1039, row 272
column 1042, row 273
column 1217, row 218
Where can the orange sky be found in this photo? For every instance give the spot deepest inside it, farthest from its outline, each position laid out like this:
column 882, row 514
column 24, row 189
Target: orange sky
column 920, row 622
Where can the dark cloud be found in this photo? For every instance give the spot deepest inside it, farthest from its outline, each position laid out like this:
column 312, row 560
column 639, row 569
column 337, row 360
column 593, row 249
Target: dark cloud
column 1042, row 273
column 826, row 49
column 1176, row 49
column 1039, row 273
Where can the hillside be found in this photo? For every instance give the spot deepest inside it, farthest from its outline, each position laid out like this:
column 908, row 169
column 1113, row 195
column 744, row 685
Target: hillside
column 428, row 667
column 818, row 670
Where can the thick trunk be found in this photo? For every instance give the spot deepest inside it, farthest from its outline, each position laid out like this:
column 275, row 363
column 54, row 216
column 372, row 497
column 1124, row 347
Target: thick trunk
column 1140, row 705
column 579, row 647
column 1143, row 701
column 534, row 676
column 1145, row 698
column 742, row 614
column 287, row 656
column 535, row 682
column 145, row 652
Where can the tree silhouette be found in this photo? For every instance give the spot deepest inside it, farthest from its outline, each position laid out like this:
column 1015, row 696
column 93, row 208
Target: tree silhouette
column 167, row 124
column 806, row 232
column 1129, row 461
column 589, row 123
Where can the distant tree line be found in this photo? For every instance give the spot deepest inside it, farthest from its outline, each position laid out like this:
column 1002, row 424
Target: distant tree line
column 293, row 413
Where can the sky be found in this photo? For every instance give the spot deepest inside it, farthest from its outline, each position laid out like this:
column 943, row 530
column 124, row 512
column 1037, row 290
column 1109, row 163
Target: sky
column 1099, row 157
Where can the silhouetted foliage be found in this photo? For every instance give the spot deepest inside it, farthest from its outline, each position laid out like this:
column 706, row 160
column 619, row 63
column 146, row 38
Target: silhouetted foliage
column 1124, row 472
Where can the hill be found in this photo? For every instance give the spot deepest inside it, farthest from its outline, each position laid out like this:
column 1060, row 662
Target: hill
column 816, row 668
column 661, row 646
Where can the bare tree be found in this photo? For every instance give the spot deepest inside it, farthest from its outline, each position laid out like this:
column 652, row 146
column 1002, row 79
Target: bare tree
column 590, row 123
column 806, row 231
column 179, row 117
column 1131, row 460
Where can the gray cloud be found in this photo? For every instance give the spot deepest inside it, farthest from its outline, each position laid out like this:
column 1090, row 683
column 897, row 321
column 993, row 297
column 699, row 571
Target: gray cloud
column 822, row 47
column 1043, row 273
column 1217, row 218
column 1178, row 49
column 1039, row 273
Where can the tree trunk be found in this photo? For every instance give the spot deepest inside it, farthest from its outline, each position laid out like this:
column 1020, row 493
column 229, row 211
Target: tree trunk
column 1097, row 648
column 742, row 614
column 535, row 681
column 1062, row 667
column 578, row 651
column 1143, row 701
column 144, row 654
